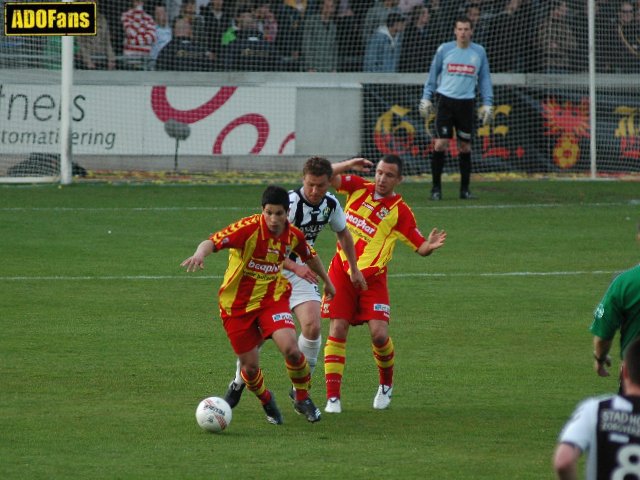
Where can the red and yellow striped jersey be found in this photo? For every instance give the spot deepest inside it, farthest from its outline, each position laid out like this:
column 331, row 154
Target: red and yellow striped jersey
column 375, row 225
column 253, row 278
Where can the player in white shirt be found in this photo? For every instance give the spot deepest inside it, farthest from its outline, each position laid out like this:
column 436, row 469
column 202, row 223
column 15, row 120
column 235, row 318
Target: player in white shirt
column 608, row 428
column 311, row 208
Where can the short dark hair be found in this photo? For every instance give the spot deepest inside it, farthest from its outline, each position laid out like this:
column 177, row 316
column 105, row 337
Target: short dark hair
column 396, row 160
column 317, row 166
column 275, row 195
column 394, row 17
column 632, row 360
column 463, row 19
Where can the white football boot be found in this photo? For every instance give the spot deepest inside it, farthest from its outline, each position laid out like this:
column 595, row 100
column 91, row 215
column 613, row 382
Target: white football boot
column 383, row 397
column 333, row 405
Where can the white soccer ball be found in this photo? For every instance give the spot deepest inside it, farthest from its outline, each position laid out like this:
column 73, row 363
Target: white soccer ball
column 213, row 414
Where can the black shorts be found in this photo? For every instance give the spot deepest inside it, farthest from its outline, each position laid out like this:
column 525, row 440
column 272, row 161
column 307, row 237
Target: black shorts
column 458, row 114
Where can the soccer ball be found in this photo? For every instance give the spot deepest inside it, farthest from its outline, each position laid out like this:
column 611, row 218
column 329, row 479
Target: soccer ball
column 213, row 414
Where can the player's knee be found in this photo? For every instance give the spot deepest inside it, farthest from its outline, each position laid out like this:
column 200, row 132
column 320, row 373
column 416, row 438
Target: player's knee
column 311, row 331
column 379, row 338
column 292, row 354
column 250, row 371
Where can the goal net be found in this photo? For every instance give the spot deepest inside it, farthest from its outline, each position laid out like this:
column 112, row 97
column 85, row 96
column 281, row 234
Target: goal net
column 212, row 85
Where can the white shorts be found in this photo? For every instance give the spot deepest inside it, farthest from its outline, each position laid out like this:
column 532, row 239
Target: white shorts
column 302, row 290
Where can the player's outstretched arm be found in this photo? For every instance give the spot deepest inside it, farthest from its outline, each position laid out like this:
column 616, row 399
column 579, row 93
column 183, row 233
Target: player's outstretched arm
column 434, row 241
column 196, row 261
column 346, row 242
column 316, row 265
column 302, row 271
column 359, row 164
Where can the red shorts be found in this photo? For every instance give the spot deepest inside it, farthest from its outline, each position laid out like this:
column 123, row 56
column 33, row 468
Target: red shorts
column 248, row 330
column 356, row 306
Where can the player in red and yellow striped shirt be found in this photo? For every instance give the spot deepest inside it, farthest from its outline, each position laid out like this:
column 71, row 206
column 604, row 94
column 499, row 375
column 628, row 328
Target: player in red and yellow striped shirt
column 254, row 295
column 377, row 217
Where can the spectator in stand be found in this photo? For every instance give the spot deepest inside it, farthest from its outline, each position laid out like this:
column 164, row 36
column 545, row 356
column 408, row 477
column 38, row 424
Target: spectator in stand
column 96, row 51
column 605, row 18
column 319, row 40
column 266, row 20
column 556, row 39
column 349, row 20
column 244, row 48
column 474, row 13
column 183, row 53
column 114, row 18
column 383, row 50
column 188, row 13
column 407, row 6
column 509, row 36
column 443, row 15
column 289, row 43
column 201, row 5
column 173, row 9
column 418, row 47
column 140, row 35
column 217, row 20
column 377, row 17
column 300, row 5
column 624, row 41
column 163, row 32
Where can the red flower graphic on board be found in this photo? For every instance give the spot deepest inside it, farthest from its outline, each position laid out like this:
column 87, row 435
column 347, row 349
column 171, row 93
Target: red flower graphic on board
column 569, row 122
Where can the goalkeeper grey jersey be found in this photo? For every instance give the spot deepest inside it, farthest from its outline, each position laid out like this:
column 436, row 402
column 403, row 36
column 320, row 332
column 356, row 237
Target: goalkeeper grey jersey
column 608, row 429
column 311, row 219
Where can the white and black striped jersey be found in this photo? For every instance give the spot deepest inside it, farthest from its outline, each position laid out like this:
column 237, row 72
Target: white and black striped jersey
column 311, row 219
column 608, row 428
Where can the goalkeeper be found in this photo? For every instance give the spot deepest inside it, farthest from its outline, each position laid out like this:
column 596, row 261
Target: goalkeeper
column 457, row 67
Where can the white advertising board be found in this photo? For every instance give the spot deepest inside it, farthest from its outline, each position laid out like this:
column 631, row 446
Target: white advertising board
column 130, row 120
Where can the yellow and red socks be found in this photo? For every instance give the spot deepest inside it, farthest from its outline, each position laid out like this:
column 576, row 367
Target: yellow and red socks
column 335, row 352
column 384, row 357
column 300, row 375
column 256, row 385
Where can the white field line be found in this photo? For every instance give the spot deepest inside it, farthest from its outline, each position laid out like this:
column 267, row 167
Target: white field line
column 231, row 208
column 28, row 278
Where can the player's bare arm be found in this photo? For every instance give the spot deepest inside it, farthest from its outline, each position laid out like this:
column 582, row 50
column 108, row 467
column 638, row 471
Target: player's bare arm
column 302, row 271
column 315, row 264
column 196, row 261
column 565, row 461
column 434, row 241
column 601, row 358
column 346, row 242
column 358, row 164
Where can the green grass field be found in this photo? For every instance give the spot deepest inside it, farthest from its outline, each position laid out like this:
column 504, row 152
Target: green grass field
column 106, row 346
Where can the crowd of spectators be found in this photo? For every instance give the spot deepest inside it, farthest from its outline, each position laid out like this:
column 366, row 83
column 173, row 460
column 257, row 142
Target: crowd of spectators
column 547, row 36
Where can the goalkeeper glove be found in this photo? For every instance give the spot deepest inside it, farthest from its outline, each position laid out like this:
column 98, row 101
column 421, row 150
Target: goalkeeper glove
column 425, row 107
column 485, row 114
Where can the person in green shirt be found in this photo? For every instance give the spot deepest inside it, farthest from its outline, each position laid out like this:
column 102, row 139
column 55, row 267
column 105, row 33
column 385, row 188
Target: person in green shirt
column 619, row 309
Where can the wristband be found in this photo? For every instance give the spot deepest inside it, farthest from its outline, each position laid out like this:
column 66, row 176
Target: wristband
column 600, row 360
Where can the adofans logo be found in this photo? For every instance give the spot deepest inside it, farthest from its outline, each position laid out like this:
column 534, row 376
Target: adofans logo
column 39, row 18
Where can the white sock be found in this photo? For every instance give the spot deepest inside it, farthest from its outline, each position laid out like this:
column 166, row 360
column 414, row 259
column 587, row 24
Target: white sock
column 311, row 349
column 238, row 380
